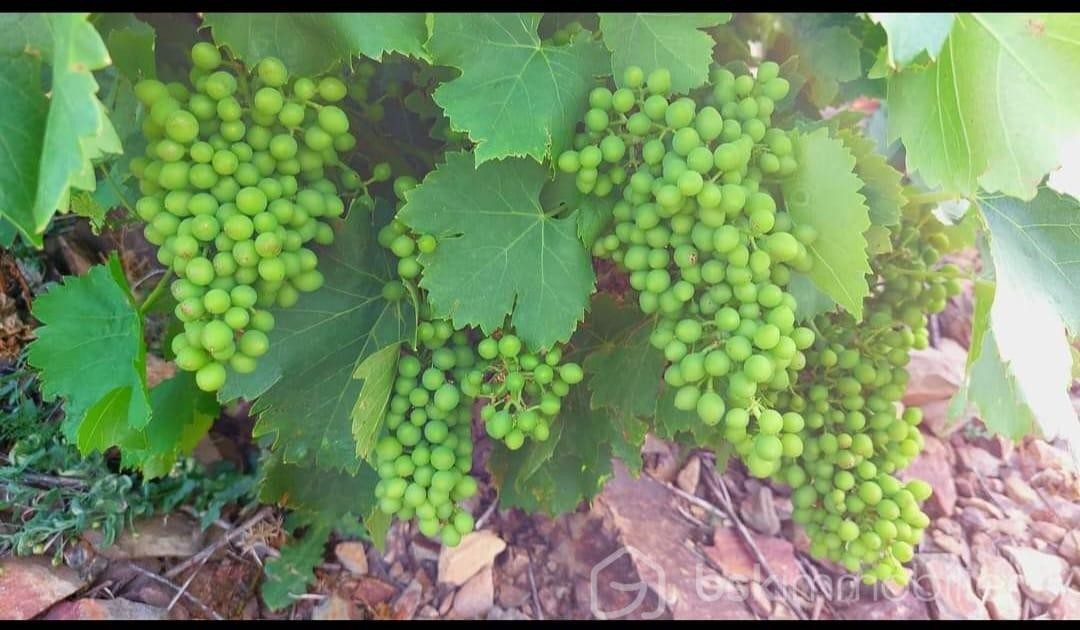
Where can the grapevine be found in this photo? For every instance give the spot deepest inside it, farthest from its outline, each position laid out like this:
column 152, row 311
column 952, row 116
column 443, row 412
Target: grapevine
column 454, row 262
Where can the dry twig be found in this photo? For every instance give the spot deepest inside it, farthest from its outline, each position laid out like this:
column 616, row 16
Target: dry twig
column 720, row 491
column 535, row 596
column 188, row 596
column 205, row 554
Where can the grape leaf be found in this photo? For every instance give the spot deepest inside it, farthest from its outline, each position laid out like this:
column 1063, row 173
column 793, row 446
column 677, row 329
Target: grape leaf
column 912, row 33
column 499, row 253
column 22, row 124
column 809, row 300
column 553, row 489
column 824, row 193
column 287, row 576
column 828, row 53
column 516, row 95
column 882, row 183
column 378, row 525
column 304, row 384
column 998, row 73
column 1025, row 344
column 377, row 372
column 86, row 205
column 312, row 43
column 7, row 232
column 131, row 44
column 662, row 40
column 50, row 156
column 993, row 388
column 1038, row 243
column 624, row 368
column 320, row 499
column 89, row 349
column 381, row 33
column 182, row 414
column 1021, row 377
column 980, row 318
column 25, row 33
column 319, row 491
column 577, row 463
column 883, row 191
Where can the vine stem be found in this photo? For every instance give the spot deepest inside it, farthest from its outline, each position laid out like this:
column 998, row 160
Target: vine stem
column 153, row 296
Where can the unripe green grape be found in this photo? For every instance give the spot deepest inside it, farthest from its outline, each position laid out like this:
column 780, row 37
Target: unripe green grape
column 332, row 89
column 622, row 101
column 633, row 77
column 149, row 91
column 210, row 377
column 659, row 82
column 775, row 88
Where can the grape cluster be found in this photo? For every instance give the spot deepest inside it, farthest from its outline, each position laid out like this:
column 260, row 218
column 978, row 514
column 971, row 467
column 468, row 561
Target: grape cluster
column 705, row 244
column 424, row 460
column 568, row 33
column 359, row 89
column 396, row 236
column 855, row 511
column 523, row 390
column 235, row 182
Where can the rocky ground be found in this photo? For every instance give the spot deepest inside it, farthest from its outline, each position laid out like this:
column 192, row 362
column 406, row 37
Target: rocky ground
column 681, row 541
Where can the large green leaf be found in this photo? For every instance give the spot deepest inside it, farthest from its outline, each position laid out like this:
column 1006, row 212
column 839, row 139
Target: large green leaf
column 1038, row 243
column 89, row 350
column 912, row 33
column 662, row 40
column 1022, row 375
column 1022, row 368
column 624, row 368
column 51, row 156
column 996, row 108
column 516, row 95
column 311, row 43
column 824, row 193
column 304, row 384
column 499, row 253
